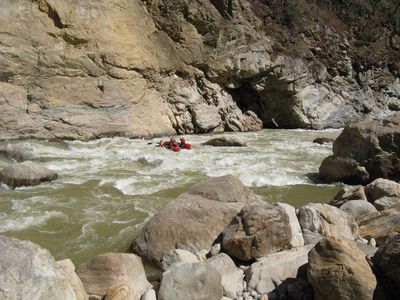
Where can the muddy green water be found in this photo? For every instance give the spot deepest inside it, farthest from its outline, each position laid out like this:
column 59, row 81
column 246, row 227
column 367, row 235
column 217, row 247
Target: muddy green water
column 107, row 189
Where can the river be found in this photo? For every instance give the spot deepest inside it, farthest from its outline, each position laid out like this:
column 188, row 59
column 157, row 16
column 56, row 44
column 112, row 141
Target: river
column 108, row 188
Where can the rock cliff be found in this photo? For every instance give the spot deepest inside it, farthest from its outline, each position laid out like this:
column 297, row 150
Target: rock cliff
column 87, row 69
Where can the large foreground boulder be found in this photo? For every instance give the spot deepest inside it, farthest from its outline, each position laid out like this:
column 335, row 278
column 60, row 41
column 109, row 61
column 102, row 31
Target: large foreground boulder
column 113, row 273
column 26, row 173
column 328, row 221
column 370, row 143
column 387, row 259
column 195, row 219
column 338, row 270
column 259, row 230
column 28, row 271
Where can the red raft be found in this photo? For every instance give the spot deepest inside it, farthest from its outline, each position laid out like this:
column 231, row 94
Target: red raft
column 175, row 146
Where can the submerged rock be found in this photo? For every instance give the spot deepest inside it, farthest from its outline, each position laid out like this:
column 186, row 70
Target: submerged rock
column 28, row 271
column 26, row 173
column 113, row 274
column 195, row 219
column 226, row 141
column 338, row 270
column 323, row 140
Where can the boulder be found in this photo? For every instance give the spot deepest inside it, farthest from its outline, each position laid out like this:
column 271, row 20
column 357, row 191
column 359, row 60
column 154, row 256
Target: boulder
column 191, row 280
column 177, row 256
column 386, row 203
column 328, row 221
column 257, row 231
column 372, row 143
column 149, row 295
column 338, row 270
column 115, row 274
column 347, row 170
column 226, row 141
column 387, row 260
column 195, row 219
column 27, row 173
column 268, row 272
column 358, row 208
column 323, row 140
column 16, row 154
column 311, row 237
column 382, row 188
column 28, row 271
column 380, row 226
column 295, row 229
column 67, row 268
column 347, row 193
column 231, row 276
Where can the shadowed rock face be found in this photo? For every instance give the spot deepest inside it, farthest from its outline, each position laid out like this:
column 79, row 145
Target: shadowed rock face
column 82, row 70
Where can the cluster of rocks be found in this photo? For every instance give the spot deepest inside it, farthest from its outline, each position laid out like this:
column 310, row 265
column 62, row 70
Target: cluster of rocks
column 219, row 240
column 364, row 151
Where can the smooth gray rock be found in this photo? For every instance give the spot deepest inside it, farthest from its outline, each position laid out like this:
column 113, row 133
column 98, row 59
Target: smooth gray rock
column 191, row 280
column 231, row 276
column 328, row 220
column 28, row 271
column 149, row 295
column 297, row 236
column 27, row 173
column 268, row 272
column 177, row 256
column 358, row 208
column 382, row 188
column 311, row 237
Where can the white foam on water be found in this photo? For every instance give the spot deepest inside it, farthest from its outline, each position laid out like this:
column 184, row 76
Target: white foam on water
column 21, row 222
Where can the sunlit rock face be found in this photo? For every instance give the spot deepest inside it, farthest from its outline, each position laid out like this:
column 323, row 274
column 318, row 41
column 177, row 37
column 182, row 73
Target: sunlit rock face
column 84, row 70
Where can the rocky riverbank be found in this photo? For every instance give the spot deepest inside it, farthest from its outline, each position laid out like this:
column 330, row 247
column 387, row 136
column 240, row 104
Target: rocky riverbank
column 219, row 240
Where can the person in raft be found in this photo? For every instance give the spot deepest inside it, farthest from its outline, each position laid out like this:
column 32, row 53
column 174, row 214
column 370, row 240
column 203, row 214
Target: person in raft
column 174, row 146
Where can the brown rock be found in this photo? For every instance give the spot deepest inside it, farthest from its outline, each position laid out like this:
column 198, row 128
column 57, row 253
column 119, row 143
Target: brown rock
column 226, row 141
column 338, row 270
column 257, row 231
column 386, row 203
column 380, row 226
column 114, row 274
column 348, row 193
column 335, row 168
column 195, row 219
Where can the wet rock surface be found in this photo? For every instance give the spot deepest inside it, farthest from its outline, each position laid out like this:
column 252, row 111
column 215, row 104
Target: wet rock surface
column 27, row 173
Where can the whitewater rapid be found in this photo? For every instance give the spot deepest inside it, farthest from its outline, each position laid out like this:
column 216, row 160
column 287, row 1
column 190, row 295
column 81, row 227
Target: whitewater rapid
column 108, row 188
